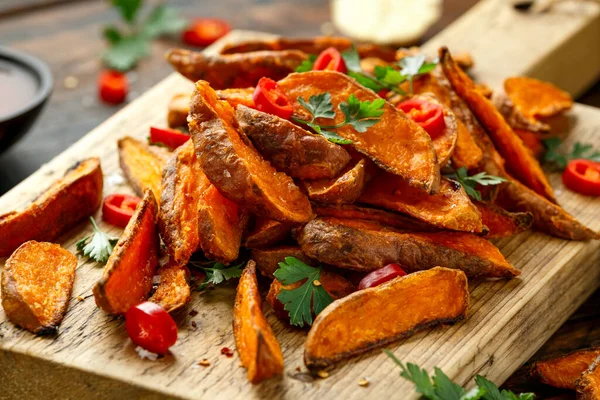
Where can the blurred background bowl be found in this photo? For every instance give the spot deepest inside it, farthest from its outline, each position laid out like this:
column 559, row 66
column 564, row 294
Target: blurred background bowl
column 15, row 124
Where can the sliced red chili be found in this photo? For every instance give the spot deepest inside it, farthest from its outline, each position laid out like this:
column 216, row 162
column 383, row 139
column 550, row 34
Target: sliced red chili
column 117, row 209
column 112, row 87
column 583, row 176
column 205, row 31
column 380, row 276
column 383, row 93
column 331, row 60
column 429, row 115
column 151, row 327
column 169, row 137
column 270, row 99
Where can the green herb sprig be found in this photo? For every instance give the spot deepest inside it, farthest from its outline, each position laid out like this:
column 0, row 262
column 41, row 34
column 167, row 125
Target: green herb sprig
column 469, row 183
column 298, row 301
column 98, row 246
column 559, row 160
column 217, row 273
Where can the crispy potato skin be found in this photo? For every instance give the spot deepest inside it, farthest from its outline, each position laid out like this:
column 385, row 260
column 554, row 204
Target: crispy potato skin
column 37, row 281
column 256, row 344
column 266, row 233
column 237, row 70
column 363, row 246
column 69, row 200
column 563, row 371
column 178, row 109
column 289, row 148
column 344, row 189
column 234, row 166
column 267, row 260
column 501, row 223
column 450, row 209
column 521, row 163
column 142, row 165
column 588, row 385
column 395, row 143
column 374, row 317
column 535, row 98
column 173, row 291
column 127, row 277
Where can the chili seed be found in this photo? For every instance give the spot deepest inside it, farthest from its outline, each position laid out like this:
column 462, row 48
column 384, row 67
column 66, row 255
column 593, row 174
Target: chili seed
column 323, row 374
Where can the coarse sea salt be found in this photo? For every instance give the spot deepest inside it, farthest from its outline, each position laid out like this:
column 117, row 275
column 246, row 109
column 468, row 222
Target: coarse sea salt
column 143, row 353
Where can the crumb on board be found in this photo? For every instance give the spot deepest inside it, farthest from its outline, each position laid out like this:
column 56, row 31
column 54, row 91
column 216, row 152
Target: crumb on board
column 323, row 374
column 364, row 382
column 204, row 362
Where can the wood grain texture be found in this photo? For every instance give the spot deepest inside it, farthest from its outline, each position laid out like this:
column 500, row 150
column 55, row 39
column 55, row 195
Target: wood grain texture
column 92, row 357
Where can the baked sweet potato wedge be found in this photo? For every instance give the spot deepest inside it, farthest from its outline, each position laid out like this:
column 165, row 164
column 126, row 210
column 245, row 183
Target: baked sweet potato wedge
column 237, row 96
column 535, row 98
column 266, row 233
column 375, row 317
column 173, row 291
column 588, row 385
column 451, row 208
column 564, row 370
column 362, row 246
column 514, row 117
column 127, row 276
column 37, row 281
column 501, row 223
column 396, row 143
column 68, row 201
column 533, row 141
column 256, row 344
column 267, row 260
column 520, row 162
column 178, row 109
column 237, row 70
column 344, row 189
column 291, row 149
column 142, row 165
column 234, row 166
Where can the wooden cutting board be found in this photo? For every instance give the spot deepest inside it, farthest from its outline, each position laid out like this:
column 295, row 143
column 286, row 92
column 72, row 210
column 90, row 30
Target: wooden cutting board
column 508, row 320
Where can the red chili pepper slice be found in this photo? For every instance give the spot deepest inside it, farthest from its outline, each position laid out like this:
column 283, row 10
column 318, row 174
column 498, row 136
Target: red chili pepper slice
column 270, row 99
column 205, row 31
column 151, row 327
column 429, row 115
column 383, row 93
column 112, row 87
column 583, row 176
column 331, row 60
column 169, row 137
column 117, row 209
column 380, row 276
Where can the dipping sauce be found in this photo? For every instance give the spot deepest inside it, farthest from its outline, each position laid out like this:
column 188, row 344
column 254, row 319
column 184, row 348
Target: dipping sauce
column 18, row 87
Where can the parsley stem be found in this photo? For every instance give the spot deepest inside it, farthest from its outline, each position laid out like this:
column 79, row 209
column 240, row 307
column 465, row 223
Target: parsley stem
column 96, row 229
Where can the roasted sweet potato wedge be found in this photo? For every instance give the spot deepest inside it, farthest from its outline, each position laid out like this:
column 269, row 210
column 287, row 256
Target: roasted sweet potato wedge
column 237, row 70
column 267, row 260
column 344, row 189
column 237, row 96
column 450, row 209
column 588, row 385
column 374, row 317
column 291, row 149
column 256, row 344
column 501, row 223
column 127, row 277
column 71, row 199
column 533, row 141
column 514, row 117
column 173, row 291
column 362, row 246
column 234, row 166
column 396, row 143
column 37, row 281
column 142, row 164
column 535, row 98
column 178, row 109
column 266, row 233
column 466, row 152
column 563, row 371
column 520, row 162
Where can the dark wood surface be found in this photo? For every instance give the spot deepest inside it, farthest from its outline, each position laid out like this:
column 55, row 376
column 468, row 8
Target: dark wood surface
column 66, row 34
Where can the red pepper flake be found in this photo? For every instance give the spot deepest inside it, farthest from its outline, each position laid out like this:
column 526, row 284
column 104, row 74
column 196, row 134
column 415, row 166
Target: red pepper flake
column 194, row 324
column 193, row 313
column 227, row 351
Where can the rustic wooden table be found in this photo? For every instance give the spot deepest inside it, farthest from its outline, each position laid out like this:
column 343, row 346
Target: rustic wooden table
column 67, row 35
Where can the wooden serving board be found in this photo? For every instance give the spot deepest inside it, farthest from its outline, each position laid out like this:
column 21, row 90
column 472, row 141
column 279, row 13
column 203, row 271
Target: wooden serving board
column 508, row 320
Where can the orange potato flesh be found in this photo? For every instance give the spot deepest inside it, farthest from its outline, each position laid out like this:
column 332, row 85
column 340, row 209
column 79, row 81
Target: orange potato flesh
column 173, row 291
column 267, row 232
column 501, row 223
column 535, row 98
column 256, row 344
column 450, row 209
column 533, row 141
column 68, row 201
column 344, row 189
column 363, row 246
column 267, row 260
column 127, row 277
column 396, row 143
column 142, row 165
column 37, row 281
column 237, row 70
column 237, row 170
column 520, row 162
column 375, row 317
column 588, row 385
column 563, row 371
column 237, row 96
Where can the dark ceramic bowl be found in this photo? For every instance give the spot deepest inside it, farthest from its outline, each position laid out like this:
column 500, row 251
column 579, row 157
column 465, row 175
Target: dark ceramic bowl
column 14, row 125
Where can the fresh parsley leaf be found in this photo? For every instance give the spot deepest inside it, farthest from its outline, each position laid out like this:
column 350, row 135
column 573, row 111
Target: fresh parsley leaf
column 112, row 34
column 125, row 53
column 306, row 65
column 297, row 302
column 367, row 81
column 98, row 246
column 334, row 137
column 217, row 273
column 389, row 75
column 469, row 183
column 163, row 21
column 445, row 388
column 352, row 59
column 128, row 8
column 319, row 105
column 362, row 114
column 560, row 160
column 415, row 65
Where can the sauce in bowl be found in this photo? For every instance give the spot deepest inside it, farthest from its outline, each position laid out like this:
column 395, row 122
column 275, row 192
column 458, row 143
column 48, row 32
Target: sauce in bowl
column 18, row 87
